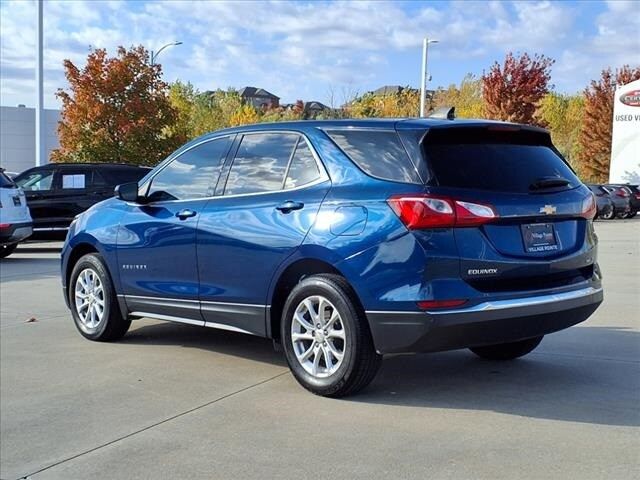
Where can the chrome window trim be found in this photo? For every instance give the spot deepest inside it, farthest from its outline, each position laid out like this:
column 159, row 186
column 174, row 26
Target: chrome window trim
column 324, row 176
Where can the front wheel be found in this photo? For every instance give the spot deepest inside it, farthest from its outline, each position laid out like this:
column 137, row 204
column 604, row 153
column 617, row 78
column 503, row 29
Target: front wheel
column 6, row 250
column 507, row 351
column 93, row 301
column 326, row 337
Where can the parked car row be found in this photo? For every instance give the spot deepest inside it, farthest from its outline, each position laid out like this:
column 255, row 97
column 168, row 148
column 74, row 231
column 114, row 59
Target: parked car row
column 616, row 201
column 43, row 201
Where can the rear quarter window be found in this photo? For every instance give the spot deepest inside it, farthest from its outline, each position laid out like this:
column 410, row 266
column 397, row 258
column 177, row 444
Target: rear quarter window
column 378, row 153
column 496, row 161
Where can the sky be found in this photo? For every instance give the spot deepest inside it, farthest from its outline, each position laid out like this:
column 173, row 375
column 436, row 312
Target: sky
column 318, row 50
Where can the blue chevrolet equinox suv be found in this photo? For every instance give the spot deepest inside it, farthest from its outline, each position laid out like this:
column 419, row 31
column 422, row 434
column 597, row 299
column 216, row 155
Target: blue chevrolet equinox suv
column 346, row 240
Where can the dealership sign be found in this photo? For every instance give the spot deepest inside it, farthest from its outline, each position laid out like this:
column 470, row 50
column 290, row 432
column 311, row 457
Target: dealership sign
column 625, row 141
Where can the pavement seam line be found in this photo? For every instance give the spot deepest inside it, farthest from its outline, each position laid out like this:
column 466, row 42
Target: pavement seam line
column 149, row 427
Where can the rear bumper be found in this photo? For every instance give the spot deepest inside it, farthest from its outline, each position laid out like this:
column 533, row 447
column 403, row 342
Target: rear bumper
column 15, row 233
column 487, row 323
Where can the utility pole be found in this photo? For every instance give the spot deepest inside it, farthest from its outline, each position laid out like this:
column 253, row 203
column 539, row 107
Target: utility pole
column 41, row 152
column 425, row 73
column 155, row 55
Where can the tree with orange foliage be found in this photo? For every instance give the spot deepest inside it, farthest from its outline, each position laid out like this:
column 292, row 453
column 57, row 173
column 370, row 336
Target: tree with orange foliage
column 511, row 91
column 115, row 110
column 595, row 135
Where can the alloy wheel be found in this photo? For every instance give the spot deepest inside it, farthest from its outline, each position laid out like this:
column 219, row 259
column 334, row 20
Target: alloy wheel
column 318, row 336
column 89, row 298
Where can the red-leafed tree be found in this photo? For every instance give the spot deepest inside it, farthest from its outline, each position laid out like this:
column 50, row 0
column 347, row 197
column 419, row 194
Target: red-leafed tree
column 116, row 109
column 511, row 91
column 595, row 135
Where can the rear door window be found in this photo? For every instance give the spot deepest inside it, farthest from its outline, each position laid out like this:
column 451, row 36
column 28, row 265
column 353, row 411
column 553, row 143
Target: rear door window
column 260, row 164
column 379, row 153
column 495, row 161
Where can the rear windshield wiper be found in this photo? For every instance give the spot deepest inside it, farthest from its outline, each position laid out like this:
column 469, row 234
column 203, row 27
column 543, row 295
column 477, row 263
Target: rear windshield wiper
column 549, row 182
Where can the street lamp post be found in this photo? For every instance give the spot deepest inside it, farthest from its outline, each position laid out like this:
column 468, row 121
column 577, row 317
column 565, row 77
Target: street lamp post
column 155, row 55
column 423, row 80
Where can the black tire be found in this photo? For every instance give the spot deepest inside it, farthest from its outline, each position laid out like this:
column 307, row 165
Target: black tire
column 608, row 214
column 6, row 250
column 623, row 215
column 111, row 326
column 359, row 363
column 632, row 214
column 507, row 351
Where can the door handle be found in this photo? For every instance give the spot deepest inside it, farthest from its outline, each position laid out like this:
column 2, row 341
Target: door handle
column 289, row 206
column 186, row 213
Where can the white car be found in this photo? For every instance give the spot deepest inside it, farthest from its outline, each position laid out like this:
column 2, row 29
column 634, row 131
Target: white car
column 15, row 219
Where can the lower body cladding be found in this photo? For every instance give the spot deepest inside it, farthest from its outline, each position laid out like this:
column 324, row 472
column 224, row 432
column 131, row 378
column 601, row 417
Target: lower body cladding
column 236, row 317
column 487, row 323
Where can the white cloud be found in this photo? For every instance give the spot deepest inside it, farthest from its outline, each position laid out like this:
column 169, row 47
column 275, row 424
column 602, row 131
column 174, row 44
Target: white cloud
column 293, row 47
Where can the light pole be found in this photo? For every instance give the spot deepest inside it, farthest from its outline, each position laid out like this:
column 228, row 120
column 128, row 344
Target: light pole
column 41, row 153
column 155, row 55
column 423, row 80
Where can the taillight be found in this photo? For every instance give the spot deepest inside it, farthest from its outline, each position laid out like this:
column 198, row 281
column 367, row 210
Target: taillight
column 426, row 211
column 4, row 225
column 589, row 208
column 622, row 193
column 637, row 196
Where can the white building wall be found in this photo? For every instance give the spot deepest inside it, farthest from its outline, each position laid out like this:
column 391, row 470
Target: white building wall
column 17, row 136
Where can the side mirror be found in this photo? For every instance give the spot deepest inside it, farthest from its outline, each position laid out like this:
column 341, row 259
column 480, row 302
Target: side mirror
column 127, row 192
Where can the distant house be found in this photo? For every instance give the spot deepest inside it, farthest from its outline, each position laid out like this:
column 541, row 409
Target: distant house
column 390, row 90
column 259, row 97
column 314, row 108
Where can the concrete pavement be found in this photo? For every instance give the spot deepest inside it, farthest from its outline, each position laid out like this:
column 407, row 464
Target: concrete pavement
column 174, row 401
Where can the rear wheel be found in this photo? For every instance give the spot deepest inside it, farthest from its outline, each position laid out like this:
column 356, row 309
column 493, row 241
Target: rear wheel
column 507, row 351
column 632, row 214
column 608, row 214
column 326, row 337
column 6, row 250
column 93, row 301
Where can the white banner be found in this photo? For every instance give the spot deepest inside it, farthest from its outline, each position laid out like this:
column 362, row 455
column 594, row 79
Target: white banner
column 625, row 143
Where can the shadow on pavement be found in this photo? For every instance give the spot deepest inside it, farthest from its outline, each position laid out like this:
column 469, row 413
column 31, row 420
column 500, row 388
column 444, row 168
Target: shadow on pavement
column 213, row 340
column 567, row 379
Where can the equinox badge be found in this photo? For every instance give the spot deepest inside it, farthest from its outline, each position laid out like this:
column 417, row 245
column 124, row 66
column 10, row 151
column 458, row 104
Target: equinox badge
column 548, row 209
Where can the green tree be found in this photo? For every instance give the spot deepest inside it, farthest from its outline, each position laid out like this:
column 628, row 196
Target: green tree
column 116, row 109
column 562, row 115
column 467, row 98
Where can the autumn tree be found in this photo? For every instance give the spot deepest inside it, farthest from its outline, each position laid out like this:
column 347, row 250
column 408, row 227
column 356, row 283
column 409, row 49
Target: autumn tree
column 595, row 135
column 404, row 103
column 467, row 98
column 116, row 109
column 562, row 115
column 511, row 91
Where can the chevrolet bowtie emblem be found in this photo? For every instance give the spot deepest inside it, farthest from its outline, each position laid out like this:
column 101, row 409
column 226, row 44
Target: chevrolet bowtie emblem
column 548, row 209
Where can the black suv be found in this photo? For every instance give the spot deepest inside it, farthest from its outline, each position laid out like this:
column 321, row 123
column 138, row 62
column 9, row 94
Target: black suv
column 57, row 192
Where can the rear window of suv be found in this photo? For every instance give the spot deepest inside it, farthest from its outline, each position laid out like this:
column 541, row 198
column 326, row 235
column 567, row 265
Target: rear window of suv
column 504, row 161
column 379, row 153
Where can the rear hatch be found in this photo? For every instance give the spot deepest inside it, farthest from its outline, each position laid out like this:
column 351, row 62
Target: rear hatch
column 536, row 233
